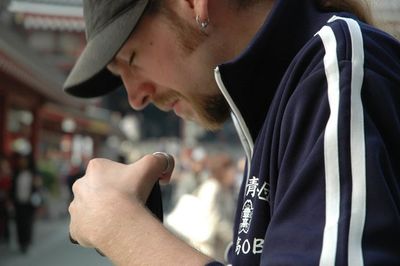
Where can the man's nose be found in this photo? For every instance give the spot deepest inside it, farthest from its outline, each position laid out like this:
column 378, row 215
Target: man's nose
column 139, row 93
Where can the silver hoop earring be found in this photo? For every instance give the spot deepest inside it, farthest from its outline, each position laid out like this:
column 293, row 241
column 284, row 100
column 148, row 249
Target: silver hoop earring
column 203, row 24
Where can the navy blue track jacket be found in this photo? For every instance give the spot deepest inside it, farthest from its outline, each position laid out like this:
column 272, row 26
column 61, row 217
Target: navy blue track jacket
column 316, row 101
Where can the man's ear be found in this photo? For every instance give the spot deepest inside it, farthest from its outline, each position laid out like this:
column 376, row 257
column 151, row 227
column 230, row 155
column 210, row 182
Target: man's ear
column 199, row 8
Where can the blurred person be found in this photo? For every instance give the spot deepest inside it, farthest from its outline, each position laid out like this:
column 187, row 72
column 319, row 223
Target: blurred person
column 25, row 198
column 191, row 174
column 218, row 192
column 313, row 90
column 204, row 217
column 240, row 168
column 5, row 188
column 50, row 170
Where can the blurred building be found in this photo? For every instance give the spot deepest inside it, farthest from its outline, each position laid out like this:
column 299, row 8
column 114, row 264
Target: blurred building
column 39, row 42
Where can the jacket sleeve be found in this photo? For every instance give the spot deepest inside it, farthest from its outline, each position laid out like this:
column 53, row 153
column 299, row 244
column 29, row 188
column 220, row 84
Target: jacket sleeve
column 335, row 194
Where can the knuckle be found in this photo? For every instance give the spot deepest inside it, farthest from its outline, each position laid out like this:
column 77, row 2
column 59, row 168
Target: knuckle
column 71, row 207
column 97, row 165
column 93, row 163
column 75, row 187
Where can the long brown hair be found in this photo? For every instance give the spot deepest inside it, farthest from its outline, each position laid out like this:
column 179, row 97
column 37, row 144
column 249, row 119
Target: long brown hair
column 360, row 8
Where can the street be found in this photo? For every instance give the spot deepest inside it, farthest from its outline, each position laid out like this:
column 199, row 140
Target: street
column 51, row 247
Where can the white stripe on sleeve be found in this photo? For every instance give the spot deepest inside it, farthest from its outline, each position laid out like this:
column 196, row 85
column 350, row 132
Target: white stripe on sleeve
column 357, row 148
column 357, row 145
column 331, row 152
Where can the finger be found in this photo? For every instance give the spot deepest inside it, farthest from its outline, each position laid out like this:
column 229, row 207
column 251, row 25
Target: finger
column 149, row 170
column 72, row 240
column 70, row 210
column 75, row 187
column 154, row 167
column 100, row 252
column 169, row 164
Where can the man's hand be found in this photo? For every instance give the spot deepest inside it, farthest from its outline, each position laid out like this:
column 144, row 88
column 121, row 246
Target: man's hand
column 108, row 213
column 107, row 195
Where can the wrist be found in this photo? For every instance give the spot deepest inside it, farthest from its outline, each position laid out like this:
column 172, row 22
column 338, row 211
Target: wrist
column 140, row 239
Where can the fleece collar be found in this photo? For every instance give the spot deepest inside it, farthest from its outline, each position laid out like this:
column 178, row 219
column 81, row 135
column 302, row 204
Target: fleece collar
column 253, row 77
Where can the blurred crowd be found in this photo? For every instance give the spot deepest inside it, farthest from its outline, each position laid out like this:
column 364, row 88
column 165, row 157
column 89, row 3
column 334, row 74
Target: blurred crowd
column 201, row 204
column 19, row 197
column 31, row 190
column 198, row 202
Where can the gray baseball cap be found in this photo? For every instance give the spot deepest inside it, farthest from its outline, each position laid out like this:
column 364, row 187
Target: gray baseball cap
column 109, row 23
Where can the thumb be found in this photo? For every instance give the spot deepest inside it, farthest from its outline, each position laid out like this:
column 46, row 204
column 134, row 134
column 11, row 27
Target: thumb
column 168, row 162
column 152, row 168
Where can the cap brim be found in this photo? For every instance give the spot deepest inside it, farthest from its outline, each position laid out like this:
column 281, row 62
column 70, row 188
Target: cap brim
column 90, row 77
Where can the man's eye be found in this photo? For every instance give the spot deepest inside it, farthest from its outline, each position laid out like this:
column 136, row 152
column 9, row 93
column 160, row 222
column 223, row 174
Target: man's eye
column 131, row 58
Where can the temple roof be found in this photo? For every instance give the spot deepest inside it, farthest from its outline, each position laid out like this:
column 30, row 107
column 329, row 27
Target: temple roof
column 56, row 15
column 18, row 60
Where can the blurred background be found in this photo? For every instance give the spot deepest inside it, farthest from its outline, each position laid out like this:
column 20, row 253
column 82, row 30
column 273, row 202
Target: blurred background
column 47, row 138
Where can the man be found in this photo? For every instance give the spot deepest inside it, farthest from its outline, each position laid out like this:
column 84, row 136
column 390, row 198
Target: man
column 314, row 94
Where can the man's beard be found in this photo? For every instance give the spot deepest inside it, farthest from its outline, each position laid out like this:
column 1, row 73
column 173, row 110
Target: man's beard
column 211, row 111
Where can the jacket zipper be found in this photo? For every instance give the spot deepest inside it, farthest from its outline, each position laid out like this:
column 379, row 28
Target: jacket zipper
column 240, row 125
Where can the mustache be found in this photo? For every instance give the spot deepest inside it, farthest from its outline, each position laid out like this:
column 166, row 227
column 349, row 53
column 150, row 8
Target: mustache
column 165, row 99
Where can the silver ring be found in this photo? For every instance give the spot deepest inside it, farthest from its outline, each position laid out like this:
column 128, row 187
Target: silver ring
column 169, row 161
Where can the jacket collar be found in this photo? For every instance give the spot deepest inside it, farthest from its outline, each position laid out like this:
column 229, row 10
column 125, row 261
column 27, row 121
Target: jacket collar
column 253, row 77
